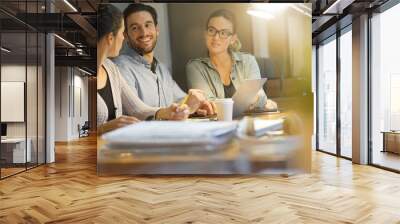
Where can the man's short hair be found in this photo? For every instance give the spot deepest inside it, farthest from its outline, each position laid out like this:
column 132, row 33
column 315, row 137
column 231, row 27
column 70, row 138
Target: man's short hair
column 139, row 7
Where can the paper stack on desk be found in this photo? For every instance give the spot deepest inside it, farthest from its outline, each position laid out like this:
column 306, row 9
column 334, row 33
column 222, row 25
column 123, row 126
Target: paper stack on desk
column 257, row 127
column 262, row 126
column 172, row 133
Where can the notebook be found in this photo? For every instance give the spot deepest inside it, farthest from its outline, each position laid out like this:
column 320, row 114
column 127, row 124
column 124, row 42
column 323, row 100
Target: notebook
column 172, row 133
column 245, row 95
column 257, row 127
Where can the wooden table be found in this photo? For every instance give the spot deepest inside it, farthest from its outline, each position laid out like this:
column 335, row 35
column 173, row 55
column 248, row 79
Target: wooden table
column 14, row 153
column 391, row 141
column 273, row 155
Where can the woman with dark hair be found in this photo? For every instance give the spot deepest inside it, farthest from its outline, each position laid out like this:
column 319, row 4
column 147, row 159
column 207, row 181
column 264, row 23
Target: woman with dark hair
column 114, row 97
column 225, row 68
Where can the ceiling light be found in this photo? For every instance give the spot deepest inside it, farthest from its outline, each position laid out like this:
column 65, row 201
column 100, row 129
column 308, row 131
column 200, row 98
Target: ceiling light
column 333, row 6
column 70, row 5
column 65, row 41
column 80, row 51
column 5, row 50
column 84, row 71
column 338, row 6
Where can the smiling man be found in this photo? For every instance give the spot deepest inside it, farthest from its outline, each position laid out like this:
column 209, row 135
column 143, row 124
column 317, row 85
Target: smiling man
column 149, row 78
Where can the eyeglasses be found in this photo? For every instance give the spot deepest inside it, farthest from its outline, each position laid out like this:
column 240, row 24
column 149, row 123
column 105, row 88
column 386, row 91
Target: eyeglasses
column 223, row 34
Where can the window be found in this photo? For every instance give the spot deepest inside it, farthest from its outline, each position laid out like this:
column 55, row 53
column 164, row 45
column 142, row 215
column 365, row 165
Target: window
column 22, row 77
column 327, row 96
column 346, row 93
column 385, row 89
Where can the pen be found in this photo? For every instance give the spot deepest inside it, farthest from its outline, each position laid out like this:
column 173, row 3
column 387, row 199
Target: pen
column 184, row 101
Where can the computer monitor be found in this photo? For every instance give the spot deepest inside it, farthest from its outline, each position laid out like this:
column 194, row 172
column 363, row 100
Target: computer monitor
column 3, row 129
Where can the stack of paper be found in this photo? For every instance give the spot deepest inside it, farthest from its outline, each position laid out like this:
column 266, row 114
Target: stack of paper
column 172, row 133
column 262, row 126
column 257, row 127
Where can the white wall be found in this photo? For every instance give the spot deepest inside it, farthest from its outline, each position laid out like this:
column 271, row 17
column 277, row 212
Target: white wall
column 34, row 125
column 80, row 110
column 61, row 103
column 14, row 73
column 71, row 87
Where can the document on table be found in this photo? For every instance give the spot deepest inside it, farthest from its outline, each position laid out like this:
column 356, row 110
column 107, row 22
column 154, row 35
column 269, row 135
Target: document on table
column 257, row 127
column 261, row 126
column 172, row 133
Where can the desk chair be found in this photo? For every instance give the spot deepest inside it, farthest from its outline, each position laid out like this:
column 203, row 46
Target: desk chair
column 84, row 130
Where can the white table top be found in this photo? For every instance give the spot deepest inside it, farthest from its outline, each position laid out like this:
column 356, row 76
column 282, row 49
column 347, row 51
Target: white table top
column 13, row 140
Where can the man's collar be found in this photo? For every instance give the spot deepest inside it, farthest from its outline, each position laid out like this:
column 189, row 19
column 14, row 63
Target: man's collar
column 135, row 55
column 153, row 66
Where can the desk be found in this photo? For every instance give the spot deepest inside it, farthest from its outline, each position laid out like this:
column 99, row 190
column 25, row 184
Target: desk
column 391, row 141
column 274, row 155
column 13, row 150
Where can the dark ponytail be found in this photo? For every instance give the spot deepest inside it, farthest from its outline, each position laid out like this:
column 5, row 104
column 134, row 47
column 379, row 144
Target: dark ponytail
column 109, row 20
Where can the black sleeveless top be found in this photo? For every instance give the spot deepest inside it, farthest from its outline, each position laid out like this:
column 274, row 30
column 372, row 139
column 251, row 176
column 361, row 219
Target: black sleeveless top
column 106, row 94
column 229, row 90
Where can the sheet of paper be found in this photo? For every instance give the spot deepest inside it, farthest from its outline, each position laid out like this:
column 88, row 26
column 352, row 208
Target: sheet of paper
column 171, row 132
column 261, row 125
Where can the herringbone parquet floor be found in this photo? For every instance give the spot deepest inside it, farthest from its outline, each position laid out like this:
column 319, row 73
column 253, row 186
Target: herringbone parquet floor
column 70, row 192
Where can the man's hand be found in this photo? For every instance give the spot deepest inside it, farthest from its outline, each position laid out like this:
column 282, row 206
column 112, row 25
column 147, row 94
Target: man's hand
column 173, row 112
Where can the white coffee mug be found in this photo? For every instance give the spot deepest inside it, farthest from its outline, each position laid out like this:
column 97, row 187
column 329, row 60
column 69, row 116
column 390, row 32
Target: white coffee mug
column 224, row 109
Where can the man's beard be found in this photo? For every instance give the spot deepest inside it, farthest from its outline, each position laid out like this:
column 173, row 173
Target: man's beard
column 140, row 50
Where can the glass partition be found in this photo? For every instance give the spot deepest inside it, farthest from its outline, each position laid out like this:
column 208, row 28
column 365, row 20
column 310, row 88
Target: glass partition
column 22, row 89
column 14, row 151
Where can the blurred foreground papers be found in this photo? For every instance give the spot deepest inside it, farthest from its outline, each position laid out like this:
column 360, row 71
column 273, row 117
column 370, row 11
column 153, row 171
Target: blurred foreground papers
column 172, row 133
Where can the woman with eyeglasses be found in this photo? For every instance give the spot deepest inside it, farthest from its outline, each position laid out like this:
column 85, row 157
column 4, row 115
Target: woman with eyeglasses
column 221, row 73
column 117, row 105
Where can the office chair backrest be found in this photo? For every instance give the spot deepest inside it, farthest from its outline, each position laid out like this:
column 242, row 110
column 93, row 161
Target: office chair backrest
column 86, row 125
